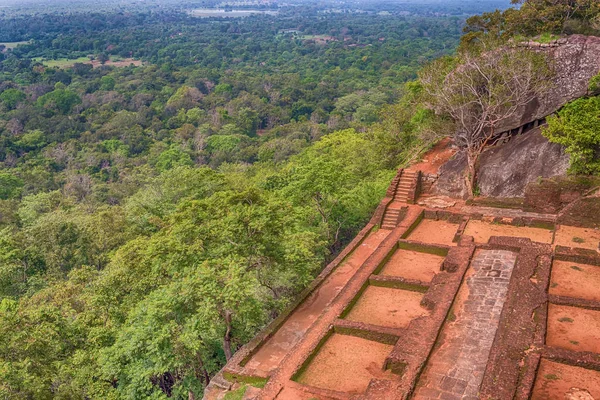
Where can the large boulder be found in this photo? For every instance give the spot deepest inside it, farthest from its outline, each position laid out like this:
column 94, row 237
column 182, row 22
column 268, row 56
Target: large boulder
column 505, row 170
column 451, row 181
column 575, row 60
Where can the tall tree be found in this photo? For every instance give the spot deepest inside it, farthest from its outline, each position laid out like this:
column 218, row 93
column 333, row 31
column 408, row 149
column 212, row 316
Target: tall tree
column 479, row 89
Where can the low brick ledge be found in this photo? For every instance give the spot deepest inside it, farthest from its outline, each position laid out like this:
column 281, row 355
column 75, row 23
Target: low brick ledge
column 583, row 359
column 577, row 255
column 381, row 334
column 574, row 302
column 397, row 282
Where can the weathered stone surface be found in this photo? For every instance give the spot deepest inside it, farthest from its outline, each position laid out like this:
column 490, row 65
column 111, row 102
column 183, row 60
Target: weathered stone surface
column 554, row 194
column 578, row 394
column 505, row 171
column 455, row 369
column 437, row 202
column 451, row 180
column 584, row 212
column 576, row 60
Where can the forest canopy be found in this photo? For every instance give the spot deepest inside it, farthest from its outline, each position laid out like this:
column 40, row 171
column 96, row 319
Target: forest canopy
column 169, row 184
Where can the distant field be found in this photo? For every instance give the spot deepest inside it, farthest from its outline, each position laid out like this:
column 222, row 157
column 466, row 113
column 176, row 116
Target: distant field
column 213, row 12
column 12, row 45
column 68, row 63
column 323, row 38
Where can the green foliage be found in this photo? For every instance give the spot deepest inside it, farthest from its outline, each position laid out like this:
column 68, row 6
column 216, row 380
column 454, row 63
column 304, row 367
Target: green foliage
column 577, row 127
column 10, row 185
column 154, row 218
column 594, row 85
column 107, row 83
column 11, row 97
column 59, row 100
column 171, row 158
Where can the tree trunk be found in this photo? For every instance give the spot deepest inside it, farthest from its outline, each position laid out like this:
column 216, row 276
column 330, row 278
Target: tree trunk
column 227, row 337
column 470, row 178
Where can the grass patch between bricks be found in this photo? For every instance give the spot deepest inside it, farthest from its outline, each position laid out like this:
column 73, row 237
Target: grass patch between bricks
column 424, row 248
column 311, row 357
column 398, row 284
column 379, row 337
column 255, row 381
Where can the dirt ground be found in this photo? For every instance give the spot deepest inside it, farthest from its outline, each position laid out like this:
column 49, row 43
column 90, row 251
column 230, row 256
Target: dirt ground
column 571, row 236
column 413, row 265
column 581, row 281
column 554, row 380
column 272, row 352
column 432, row 160
column 482, row 231
column 573, row 328
column 360, row 360
column 434, row 232
column 382, row 306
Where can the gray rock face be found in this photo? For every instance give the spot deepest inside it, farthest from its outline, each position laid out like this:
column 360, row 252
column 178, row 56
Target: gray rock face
column 575, row 60
column 505, row 170
column 451, row 181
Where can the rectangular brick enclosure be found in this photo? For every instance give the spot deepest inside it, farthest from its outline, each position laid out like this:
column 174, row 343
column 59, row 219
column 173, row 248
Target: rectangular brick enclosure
column 461, row 303
column 455, row 369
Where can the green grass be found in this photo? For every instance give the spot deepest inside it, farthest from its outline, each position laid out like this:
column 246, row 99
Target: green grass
column 565, row 319
column 576, row 268
column 578, row 240
column 312, row 37
column 547, row 38
column 62, row 62
column 12, row 45
column 551, row 377
column 236, row 394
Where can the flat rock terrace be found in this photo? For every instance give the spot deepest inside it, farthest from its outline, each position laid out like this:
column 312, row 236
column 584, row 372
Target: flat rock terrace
column 458, row 303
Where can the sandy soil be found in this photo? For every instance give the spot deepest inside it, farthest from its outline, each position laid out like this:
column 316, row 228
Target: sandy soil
column 360, row 360
column 573, row 328
column 572, row 237
column 575, row 280
column 434, row 232
column 382, row 306
column 554, row 380
column 435, row 158
column 482, row 231
column 413, row 265
column 272, row 352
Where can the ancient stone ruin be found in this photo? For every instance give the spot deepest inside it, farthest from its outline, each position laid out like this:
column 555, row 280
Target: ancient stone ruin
column 439, row 298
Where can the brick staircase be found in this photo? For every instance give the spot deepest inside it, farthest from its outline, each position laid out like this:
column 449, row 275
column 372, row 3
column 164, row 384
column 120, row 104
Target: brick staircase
column 400, row 195
column 404, row 186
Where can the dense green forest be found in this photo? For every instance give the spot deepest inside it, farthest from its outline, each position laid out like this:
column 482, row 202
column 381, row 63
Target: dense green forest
column 154, row 217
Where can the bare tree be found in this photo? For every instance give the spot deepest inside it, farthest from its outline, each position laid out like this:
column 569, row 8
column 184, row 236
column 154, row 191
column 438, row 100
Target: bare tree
column 479, row 90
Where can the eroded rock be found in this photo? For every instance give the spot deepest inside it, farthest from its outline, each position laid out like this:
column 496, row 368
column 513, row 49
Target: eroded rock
column 451, row 180
column 575, row 60
column 505, row 171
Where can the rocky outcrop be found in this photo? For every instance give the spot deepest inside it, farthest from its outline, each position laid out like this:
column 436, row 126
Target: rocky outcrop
column 505, row 171
column 575, row 59
column 451, row 179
